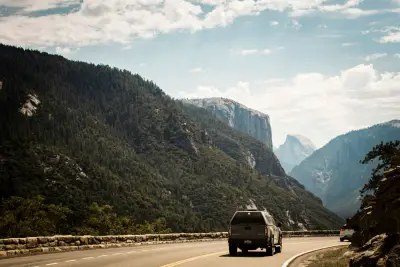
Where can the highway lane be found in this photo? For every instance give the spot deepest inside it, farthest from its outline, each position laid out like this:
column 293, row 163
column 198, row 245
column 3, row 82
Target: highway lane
column 170, row 255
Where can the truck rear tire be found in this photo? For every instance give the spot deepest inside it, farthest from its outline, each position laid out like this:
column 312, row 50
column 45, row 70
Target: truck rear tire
column 232, row 250
column 279, row 248
column 270, row 251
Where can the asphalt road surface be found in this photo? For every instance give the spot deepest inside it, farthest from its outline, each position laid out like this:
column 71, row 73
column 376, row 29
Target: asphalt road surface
column 170, row 255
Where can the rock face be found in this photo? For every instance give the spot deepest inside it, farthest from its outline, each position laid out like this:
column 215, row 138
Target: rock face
column 379, row 213
column 238, row 116
column 382, row 250
column 295, row 149
column 377, row 223
column 334, row 172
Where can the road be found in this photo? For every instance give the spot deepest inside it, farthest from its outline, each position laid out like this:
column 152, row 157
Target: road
column 170, row 255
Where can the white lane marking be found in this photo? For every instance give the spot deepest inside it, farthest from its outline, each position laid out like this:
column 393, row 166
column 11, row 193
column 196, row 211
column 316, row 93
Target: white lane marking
column 173, row 264
column 104, row 255
column 70, row 261
column 117, row 253
column 303, row 242
column 54, row 263
column 144, row 250
column 286, row 264
column 87, row 258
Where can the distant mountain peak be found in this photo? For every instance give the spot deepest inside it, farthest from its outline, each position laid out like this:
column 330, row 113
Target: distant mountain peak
column 306, row 142
column 295, row 149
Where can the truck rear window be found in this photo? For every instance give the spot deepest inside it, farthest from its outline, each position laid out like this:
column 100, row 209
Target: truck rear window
column 247, row 218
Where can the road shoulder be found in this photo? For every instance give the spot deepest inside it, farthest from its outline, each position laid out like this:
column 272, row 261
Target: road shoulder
column 297, row 260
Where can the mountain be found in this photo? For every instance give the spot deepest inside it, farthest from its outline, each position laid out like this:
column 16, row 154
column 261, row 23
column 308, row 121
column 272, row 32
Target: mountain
column 295, row 149
column 238, row 116
column 79, row 134
column 334, row 172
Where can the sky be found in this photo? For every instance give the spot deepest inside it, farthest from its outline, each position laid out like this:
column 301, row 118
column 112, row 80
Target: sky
column 318, row 68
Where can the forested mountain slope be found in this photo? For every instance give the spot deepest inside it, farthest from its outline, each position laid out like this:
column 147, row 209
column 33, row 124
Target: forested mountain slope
column 281, row 194
column 77, row 133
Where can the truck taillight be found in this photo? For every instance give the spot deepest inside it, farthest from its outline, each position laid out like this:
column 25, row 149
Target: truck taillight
column 229, row 231
column 266, row 231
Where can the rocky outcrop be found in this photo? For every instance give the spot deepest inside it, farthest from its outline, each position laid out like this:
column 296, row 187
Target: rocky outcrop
column 379, row 213
column 295, row 149
column 393, row 257
column 377, row 225
column 334, row 172
column 238, row 116
column 380, row 251
column 46, row 244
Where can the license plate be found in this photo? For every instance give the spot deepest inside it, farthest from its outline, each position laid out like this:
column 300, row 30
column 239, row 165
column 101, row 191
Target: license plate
column 247, row 241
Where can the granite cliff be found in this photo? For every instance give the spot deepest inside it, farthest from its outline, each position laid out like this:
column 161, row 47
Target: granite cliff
column 238, row 116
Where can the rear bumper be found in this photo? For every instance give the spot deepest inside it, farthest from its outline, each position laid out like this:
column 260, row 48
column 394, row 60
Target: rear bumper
column 255, row 243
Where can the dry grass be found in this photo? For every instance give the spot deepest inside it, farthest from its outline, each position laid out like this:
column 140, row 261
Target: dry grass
column 331, row 258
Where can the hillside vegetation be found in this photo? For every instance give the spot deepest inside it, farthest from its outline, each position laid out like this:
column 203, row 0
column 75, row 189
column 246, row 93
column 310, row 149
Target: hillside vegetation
column 99, row 142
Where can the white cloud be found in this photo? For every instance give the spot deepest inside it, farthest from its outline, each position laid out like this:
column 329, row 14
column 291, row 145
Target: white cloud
column 353, row 13
column 196, row 70
column 375, row 56
column 322, row 26
column 274, row 23
column 348, row 44
column 246, row 52
column 36, row 5
column 348, row 10
column 65, row 51
column 392, row 36
column 397, row 56
column 120, row 21
column 318, row 106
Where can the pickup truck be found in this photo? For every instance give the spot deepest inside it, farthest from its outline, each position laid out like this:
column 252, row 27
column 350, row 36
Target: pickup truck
column 253, row 229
